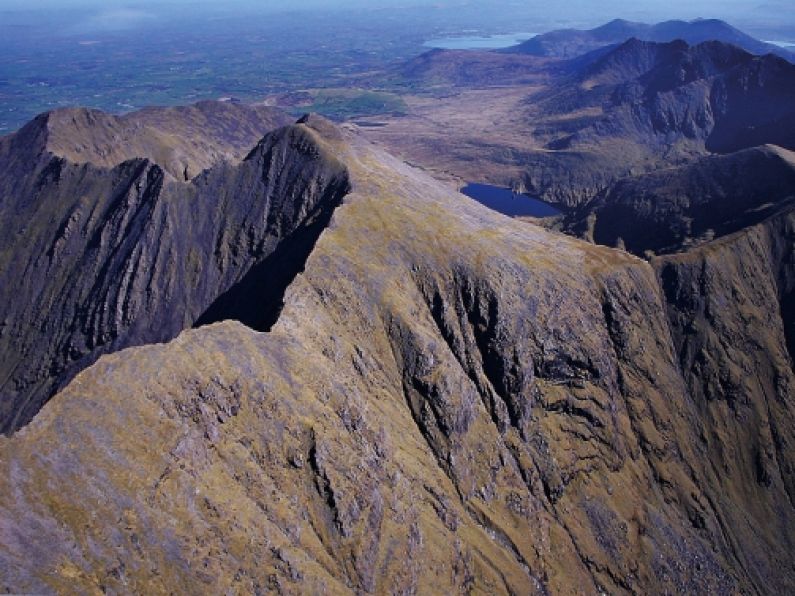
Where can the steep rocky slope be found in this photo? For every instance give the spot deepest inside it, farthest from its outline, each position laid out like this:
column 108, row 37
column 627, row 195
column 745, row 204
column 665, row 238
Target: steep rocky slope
column 450, row 401
column 676, row 100
column 570, row 43
column 675, row 208
column 96, row 259
column 730, row 304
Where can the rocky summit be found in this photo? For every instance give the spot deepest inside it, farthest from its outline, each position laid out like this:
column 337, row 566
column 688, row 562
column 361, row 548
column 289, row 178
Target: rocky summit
column 318, row 370
column 99, row 258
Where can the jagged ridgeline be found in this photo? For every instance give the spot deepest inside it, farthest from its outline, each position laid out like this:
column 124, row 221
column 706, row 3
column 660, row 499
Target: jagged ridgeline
column 445, row 400
column 97, row 258
column 642, row 106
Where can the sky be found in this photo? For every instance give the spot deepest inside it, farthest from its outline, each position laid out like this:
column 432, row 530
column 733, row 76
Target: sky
column 765, row 9
column 764, row 18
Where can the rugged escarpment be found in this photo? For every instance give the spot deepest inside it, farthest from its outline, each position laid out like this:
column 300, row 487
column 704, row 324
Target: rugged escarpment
column 97, row 259
column 730, row 307
column 645, row 106
column 450, row 401
column 677, row 99
column 675, row 208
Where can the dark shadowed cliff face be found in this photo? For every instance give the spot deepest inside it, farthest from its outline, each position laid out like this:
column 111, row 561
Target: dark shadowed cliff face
column 96, row 259
column 730, row 307
column 449, row 402
column 676, row 99
column 673, row 209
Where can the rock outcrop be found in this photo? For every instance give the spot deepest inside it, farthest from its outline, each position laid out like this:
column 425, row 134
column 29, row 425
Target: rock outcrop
column 730, row 307
column 450, row 401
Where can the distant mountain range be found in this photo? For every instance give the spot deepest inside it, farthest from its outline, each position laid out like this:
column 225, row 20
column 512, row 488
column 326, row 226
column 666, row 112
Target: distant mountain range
column 565, row 129
column 569, row 43
column 714, row 95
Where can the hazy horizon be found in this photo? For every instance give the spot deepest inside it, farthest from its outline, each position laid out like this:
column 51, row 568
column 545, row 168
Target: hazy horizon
column 112, row 15
column 120, row 55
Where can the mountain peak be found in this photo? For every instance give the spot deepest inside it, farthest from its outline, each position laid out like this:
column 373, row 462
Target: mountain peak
column 630, row 60
column 325, row 127
column 666, row 65
column 126, row 221
column 182, row 140
column 619, row 28
column 571, row 43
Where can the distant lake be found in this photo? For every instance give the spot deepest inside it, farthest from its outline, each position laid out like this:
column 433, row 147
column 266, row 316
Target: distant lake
column 475, row 42
column 789, row 45
column 508, row 202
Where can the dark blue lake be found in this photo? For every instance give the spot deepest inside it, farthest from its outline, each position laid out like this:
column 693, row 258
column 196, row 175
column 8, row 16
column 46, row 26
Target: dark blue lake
column 508, row 202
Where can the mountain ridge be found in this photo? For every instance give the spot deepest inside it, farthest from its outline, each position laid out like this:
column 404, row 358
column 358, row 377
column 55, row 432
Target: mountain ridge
column 672, row 209
column 183, row 140
column 118, row 256
column 246, row 361
column 506, row 412
column 570, row 43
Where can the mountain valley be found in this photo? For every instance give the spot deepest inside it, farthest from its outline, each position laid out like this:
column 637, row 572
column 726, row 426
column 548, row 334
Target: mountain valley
column 584, row 123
